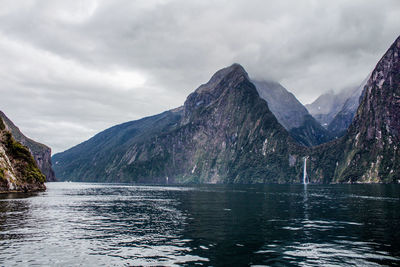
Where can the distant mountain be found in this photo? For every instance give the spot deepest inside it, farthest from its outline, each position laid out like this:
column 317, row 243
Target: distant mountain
column 18, row 169
column 40, row 152
column 327, row 106
column 292, row 114
column 224, row 133
column 342, row 120
column 369, row 152
column 283, row 104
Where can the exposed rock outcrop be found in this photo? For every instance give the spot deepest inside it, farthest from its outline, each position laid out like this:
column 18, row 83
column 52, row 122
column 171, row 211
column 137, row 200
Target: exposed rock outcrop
column 41, row 153
column 18, row 169
column 369, row 152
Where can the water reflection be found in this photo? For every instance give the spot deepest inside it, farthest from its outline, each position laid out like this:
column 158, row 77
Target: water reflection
column 101, row 224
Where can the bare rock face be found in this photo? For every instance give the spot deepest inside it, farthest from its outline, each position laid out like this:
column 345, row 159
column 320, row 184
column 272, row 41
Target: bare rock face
column 369, row 152
column 372, row 142
column 41, row 153
column 18, row 169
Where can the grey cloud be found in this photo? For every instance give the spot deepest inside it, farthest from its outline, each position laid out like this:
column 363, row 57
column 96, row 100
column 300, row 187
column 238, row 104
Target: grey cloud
column 61, row 59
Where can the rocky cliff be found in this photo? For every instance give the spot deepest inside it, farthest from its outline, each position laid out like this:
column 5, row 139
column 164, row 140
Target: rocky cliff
column 291, row 114
column 18, row 169
column 369, row 152
column 224, row 133
column 41, row 153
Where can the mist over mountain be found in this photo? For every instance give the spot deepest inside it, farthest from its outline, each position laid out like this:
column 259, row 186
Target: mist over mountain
column 327, row 106
column 369, row 152
column 291, row 114
column 342, row 120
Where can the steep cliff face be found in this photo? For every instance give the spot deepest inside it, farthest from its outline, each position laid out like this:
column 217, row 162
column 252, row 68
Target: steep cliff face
column 369, row 152
column 18, row 170
column 291, row 114
column 224, row 133
column 41, row 153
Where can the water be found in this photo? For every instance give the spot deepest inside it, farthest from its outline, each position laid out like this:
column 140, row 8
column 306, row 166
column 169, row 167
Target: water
column 281, row 225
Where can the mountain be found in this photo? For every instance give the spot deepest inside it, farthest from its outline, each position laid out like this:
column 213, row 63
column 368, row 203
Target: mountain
column 326, row 106
column 224, row 133
column 18, row 169
column 342, row 120
column 283, row 104
column 369, row 152
column 291, row 114
column 41, row 153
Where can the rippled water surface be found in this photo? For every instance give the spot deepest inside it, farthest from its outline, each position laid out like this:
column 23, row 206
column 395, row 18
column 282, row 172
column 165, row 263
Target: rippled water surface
column 120, row 225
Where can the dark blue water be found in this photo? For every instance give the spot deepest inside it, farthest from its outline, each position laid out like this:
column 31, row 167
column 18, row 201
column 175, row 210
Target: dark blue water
column 281, row 225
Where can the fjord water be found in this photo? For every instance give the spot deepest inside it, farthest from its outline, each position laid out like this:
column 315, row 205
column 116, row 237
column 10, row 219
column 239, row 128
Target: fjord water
column 282, row 225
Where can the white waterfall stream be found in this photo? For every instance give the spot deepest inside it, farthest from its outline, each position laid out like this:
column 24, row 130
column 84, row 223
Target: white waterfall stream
column 305, row 171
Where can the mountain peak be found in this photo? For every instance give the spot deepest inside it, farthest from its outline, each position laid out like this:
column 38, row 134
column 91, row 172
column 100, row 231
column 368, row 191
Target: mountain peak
column 233, row 72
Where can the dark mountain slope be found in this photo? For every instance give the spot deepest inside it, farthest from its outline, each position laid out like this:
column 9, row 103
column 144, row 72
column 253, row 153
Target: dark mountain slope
column 103, row 154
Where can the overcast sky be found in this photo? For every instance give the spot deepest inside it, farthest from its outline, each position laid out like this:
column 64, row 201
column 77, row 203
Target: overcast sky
column 69, row 69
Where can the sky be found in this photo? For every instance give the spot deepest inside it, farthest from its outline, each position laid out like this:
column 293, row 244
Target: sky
column 70, row 69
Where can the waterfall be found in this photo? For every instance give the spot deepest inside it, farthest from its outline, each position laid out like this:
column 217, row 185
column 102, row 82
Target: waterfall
column 305, row 171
